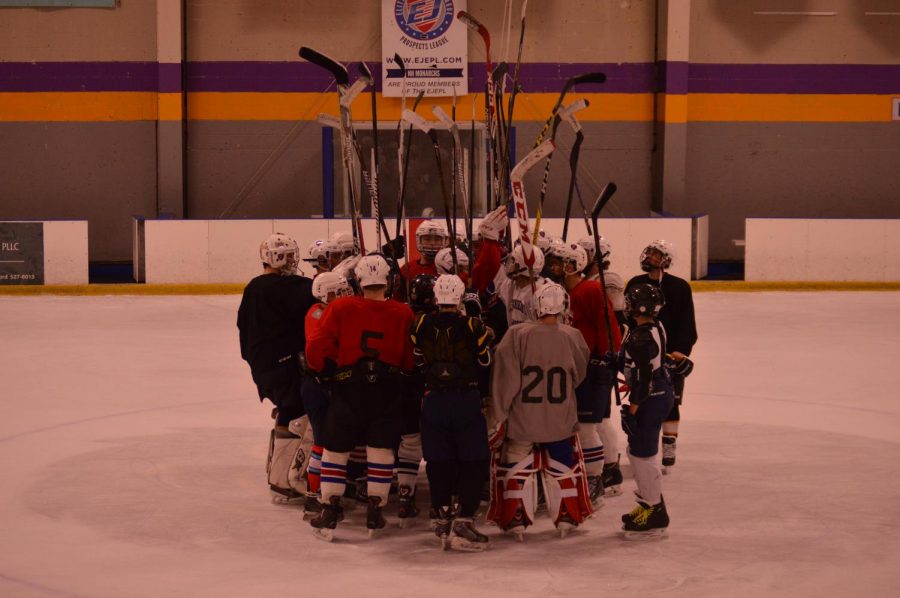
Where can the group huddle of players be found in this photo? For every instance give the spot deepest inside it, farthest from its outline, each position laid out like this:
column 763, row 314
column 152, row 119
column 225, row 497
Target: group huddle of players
column 497, row 368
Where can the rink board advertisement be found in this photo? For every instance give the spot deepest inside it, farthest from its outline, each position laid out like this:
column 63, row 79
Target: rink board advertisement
column 21, row 253
column 432, row 43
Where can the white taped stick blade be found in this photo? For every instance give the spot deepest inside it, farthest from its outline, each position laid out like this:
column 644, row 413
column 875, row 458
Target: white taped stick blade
column 354, row 90
column 533, row 157
column 415, row 120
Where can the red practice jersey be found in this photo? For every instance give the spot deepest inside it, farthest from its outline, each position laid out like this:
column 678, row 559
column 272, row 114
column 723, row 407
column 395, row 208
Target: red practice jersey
column 354, row 327
column 314, row 319
column 586, row 305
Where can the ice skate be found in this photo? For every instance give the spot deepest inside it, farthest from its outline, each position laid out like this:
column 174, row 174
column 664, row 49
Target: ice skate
column 595, row 490
column 612, row 479
column 374, row 517
column 565, row 525
column 407, row 510
column 311, row 506
column 282, row 496
column 325, row 523
column 646, row 522
column 441, row 524
column 516, row 527
column 668, row 452
column 465, row 538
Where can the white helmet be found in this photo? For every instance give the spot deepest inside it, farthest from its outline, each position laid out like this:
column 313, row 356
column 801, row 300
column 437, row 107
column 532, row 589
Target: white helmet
column 544, row 240
column 372, row 270
column 550, row 299
column 430, row 228
column 345, row 243
column 319, row 252
column 443, row 261
column 570, row 253
column 448, row 289
column 280, row 252
column 515, row 261
column 330, row 283
column 666, row 250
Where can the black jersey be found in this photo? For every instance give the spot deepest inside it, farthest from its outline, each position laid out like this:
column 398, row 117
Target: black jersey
column 271, row 319
column 677, row 315
column 452, row 349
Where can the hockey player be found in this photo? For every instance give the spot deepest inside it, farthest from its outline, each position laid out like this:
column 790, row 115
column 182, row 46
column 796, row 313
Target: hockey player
column 598, row 326
column 326, row 287
column 614, row 283
column 651, row 398
column 431, row 237
column 443, row 263
column 537, row 367
column 450, row 349
column 362, row 345
column 678, row 319
column 272, row 338
column 317, row 255
column 342, row 247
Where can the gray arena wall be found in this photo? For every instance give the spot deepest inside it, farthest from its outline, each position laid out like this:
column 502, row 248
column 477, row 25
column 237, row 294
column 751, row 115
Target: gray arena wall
column 202, row 110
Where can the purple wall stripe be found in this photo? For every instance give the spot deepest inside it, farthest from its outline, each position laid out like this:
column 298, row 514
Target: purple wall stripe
column 299, row 76
column 795, row 78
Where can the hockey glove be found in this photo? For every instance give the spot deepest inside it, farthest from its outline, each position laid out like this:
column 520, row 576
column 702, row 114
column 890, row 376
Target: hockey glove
column 494, row 224
column 496, row 436
column 395, row 248
column 683, row 366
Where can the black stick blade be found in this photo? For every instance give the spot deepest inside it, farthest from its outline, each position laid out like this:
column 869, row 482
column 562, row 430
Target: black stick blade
column 604, row 197
column 366, row 73
column 589, row 78
column 337, row 70
column 398, row 60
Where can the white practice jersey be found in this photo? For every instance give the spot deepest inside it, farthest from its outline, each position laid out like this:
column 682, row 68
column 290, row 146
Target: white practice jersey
column 519, row 302
column 536, row 369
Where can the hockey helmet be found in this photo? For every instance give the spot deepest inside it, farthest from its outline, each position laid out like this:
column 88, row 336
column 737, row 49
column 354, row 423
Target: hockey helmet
column 280, row 252
column 443, row 261
column 515, row 262
column 569, row 253
column 431, row 237
column 421, row 293
column 644, row 299
column 328, row 286
column 372, row 270
column 550, row 299
column 448, row 289
column 658, row 254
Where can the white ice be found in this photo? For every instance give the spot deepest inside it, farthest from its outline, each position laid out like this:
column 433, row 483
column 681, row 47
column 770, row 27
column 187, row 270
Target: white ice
column 132, row 454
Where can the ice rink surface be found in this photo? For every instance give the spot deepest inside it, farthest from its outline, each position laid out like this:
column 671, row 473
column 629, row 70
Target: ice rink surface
column 132, row 456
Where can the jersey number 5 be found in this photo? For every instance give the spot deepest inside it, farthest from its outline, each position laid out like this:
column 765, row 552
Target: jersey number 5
column 364, row 343
column 554, row 384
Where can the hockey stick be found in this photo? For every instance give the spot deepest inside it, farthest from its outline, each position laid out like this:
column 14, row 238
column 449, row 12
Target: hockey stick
column 404, row 159
column 380, row 227
column 518, row 196
column 554, row 122
column 424, row 126
column 459, row 184
column 515, row 80
column 568, row 115
column 602, row 200
column 342, row 79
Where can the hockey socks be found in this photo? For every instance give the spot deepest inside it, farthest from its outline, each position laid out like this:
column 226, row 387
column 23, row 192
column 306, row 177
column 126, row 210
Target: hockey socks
column 648, row 477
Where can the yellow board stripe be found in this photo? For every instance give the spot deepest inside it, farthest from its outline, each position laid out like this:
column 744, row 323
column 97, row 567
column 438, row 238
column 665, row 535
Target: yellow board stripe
column 604, row 107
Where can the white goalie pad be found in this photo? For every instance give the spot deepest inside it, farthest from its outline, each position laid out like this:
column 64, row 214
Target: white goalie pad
column 285, row 469
column 515, row 487
column 560, row 483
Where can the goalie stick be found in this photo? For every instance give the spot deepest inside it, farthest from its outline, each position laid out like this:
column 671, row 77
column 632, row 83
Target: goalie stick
column 604, row 197
column 342, row 79
column 518, row 195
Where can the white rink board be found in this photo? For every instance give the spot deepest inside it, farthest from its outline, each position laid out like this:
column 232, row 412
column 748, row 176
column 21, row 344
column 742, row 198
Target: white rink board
column 65, row 252
column 227, row 251
column 779, row 249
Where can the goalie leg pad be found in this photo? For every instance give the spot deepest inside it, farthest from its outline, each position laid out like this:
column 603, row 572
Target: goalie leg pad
column 285, row 467
column 516, row 486
column 565, row 483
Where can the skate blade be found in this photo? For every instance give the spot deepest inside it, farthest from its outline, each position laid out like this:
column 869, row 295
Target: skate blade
column 612, row 491
column 517, row 533
column 309, row 515
column 463, row 545
column 407, row 523
column 598, row 503
column 324, row 534
column 564, row 529
column 653, row 534
column 279, row 499
column 375, row 533
column 445, row 543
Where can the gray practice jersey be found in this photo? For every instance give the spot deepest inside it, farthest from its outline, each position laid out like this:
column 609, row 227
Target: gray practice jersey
column 536, row 369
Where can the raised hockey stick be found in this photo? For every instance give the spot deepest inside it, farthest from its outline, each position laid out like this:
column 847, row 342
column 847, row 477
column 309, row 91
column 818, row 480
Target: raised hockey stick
column 424, row 126
column 602, row 200
column 515, row 81
column 568, row 114
column 459, row 184
column 342, row 79
column 518, row 195
column 404, row 160
column 366, row 74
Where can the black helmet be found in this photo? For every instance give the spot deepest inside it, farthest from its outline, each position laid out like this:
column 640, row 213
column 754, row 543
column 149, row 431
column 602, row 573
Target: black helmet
column 421, row 293
column 644, row 299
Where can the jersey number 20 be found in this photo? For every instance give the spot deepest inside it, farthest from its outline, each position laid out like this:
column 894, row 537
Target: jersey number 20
column 554, row 385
